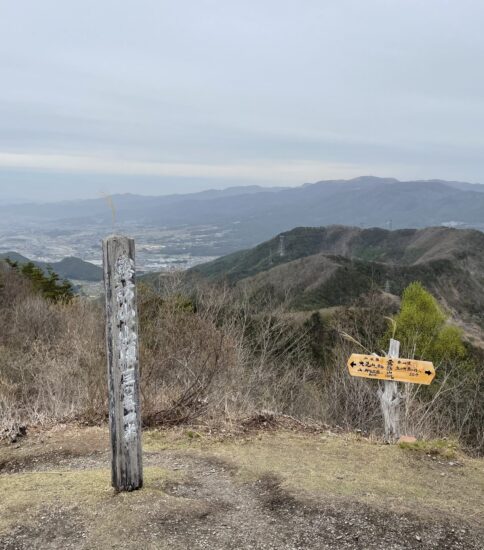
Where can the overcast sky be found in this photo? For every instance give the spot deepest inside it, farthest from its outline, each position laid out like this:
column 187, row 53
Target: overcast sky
column 155, row 97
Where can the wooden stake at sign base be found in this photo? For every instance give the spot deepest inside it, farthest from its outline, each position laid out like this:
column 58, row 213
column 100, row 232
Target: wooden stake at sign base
column 390, row 400
column 123, row 368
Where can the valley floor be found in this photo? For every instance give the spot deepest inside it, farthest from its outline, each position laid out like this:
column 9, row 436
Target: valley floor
column 281, row 489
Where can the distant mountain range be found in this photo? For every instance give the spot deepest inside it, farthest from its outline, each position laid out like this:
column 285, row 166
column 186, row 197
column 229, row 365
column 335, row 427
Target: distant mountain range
column 318, row 267
column 249, row 215
column 68, row 268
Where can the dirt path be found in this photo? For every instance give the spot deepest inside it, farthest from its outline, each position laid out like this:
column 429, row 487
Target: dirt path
column 193, row 499
column 262, row 515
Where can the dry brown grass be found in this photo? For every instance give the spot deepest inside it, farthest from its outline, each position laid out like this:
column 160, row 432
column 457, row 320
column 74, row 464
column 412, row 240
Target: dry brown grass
column 52, row 360
column 209, row 359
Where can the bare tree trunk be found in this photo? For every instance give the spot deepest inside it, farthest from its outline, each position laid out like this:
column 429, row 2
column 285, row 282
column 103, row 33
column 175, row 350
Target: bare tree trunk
column 123, row 371
column 390, row 400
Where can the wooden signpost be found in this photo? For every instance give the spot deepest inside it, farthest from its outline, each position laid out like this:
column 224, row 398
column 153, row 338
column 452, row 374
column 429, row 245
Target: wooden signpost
column 391, row 369
column 123, row 370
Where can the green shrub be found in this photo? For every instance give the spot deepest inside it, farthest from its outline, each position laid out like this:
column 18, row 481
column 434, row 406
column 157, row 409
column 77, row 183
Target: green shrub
column 49, row 285
column 421, row 328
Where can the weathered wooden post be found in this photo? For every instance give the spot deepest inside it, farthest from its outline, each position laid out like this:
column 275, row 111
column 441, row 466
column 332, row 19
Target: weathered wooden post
column 390, row 399
column 123, row 370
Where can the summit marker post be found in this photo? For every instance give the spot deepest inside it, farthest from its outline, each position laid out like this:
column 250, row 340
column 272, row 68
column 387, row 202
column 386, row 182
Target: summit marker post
column 123, row 367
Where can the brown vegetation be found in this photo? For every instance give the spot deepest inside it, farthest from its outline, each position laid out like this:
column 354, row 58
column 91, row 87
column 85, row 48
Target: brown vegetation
column 51, row 357
column 208, row 356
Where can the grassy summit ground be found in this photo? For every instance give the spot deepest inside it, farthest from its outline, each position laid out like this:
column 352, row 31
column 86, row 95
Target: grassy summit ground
column 278, row 489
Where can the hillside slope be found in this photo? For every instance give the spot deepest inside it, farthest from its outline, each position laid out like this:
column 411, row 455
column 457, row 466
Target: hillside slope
column 326, row 266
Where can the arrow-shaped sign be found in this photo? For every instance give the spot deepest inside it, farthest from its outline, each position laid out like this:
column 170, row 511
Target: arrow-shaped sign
column 391, row 368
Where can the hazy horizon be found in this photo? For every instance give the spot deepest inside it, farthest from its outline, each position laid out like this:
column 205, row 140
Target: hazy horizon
column 161, row 98
column 97, row 191
column 153, row 190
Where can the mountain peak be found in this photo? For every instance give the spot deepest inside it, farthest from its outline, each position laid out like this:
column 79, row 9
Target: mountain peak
column 373, row 179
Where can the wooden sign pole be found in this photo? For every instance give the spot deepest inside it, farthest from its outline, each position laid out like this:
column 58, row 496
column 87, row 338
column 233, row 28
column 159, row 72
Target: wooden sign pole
column 390, row 400
column 123, row 370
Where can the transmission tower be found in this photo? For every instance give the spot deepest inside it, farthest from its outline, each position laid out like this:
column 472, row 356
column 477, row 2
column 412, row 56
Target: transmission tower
column 282, row 246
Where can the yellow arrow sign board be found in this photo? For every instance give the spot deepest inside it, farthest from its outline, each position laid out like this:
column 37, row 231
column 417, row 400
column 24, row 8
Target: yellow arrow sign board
column 387, row 368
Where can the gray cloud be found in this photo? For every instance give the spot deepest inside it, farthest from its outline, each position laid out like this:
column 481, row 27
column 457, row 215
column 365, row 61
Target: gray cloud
column 270, row 92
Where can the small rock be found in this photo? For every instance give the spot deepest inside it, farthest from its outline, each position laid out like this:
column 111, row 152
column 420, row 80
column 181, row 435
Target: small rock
column 417, row 537
column 407, row 439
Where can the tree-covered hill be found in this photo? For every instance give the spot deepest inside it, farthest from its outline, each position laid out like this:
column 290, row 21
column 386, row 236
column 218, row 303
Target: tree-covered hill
column 315, row 267
column 68, row 268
